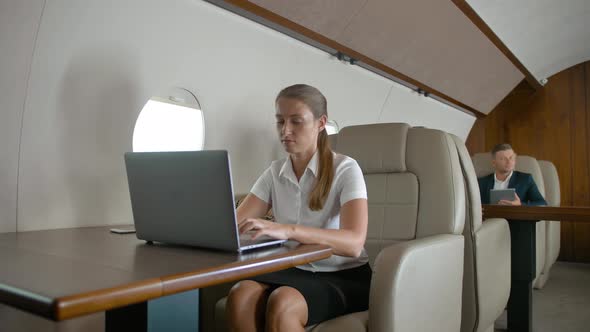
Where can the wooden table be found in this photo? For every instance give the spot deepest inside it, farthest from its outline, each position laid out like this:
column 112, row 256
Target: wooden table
column 66, row 273
column 559, row 213
column 522, row 222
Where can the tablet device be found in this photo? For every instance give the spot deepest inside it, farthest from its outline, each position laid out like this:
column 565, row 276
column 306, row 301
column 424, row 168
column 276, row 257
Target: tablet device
column 496, row 195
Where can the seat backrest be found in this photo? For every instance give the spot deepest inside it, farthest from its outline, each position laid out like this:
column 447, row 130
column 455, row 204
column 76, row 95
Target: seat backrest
column 483, row 166
column 551, row 183
column 473, row 215
column 530, row 165
column 482, row 163
column 486, row 273
column 333, row 139
column 553, row 228
column 414, row 181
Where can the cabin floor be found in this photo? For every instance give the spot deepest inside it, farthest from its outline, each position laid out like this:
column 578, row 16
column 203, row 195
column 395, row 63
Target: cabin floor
column 562, row 305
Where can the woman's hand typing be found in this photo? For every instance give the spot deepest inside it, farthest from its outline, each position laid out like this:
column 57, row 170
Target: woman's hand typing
column 346, row 241
column 259, row 227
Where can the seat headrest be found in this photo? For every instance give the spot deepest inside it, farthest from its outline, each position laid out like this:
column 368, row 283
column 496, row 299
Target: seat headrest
column 482, row 163
column 431, row 155
column 378, row 148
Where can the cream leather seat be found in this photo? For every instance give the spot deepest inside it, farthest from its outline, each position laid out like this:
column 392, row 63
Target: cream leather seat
column 416, row 215
column 552, row 228
column 486, row 276
column 333, row 139
column 483, row 166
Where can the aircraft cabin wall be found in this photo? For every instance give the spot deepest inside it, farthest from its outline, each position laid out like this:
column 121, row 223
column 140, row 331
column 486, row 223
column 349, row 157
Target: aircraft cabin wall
column 75, row 75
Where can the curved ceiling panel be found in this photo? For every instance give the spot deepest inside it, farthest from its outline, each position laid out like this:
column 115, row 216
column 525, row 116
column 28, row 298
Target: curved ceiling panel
column 431, row 41
column 547, row 36
column 329, row 17
column 435, row 43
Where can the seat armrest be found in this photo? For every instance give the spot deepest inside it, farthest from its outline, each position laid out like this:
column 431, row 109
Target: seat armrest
column 493, row 269
column 417, row 286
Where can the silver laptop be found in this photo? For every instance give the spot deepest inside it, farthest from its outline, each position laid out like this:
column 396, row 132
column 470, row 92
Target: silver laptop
column 186, row 198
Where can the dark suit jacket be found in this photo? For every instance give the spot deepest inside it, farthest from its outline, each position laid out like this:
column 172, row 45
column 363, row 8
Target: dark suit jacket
column 523, row 184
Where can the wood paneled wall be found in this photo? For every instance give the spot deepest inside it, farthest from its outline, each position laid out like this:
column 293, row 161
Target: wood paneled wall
column 552, row 123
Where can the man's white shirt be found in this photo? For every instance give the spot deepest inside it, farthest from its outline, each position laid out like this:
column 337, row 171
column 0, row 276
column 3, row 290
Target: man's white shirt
column 502, row 184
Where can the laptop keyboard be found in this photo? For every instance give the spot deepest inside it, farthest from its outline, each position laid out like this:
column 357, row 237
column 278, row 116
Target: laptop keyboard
column 246, row 239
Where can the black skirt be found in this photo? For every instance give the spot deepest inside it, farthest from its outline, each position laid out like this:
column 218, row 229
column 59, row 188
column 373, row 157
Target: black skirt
column 328, row 294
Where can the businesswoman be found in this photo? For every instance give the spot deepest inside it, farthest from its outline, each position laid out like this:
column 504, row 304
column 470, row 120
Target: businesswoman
column 317, row 196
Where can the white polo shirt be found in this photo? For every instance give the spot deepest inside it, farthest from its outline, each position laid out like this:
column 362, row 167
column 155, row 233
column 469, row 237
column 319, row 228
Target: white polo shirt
column 278, row 186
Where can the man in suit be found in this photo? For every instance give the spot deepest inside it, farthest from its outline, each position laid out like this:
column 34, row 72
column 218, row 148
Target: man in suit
column 504, row 176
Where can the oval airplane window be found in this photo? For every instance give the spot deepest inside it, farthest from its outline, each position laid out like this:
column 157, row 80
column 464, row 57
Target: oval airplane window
column 174, row 123
column 332, row 127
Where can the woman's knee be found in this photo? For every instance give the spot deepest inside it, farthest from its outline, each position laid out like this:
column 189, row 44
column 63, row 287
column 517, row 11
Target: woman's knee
column 286, row 302
column 245, row 293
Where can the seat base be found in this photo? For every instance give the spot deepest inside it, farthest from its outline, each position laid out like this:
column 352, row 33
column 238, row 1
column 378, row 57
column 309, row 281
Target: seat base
column 541, row 280
column 357, row 321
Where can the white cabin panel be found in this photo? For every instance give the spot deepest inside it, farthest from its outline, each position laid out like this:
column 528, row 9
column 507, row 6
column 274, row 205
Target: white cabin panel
column 405, row 105
column 19, row 21
column 98, row 62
